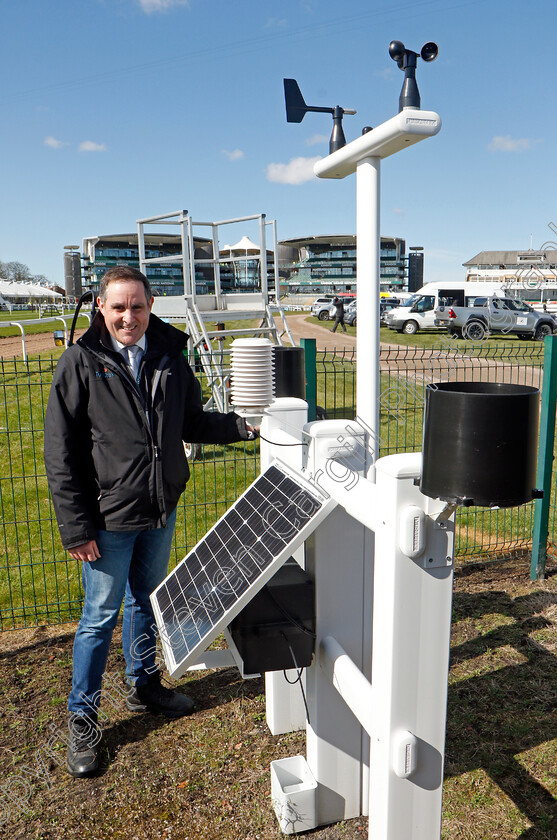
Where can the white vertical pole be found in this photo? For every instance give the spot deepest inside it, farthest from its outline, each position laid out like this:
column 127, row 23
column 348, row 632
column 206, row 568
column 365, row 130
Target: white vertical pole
column 184, row 228
column 282, row 424
column 276, row 261
column 411, row 629
column 216, row 266
column 263, row 259
column 191, row 256
column 141, row 247
column 368, row 229
column 368, row 209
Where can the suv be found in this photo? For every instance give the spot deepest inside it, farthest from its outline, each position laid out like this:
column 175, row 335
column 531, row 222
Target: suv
column 319, row 303
column 327, row 310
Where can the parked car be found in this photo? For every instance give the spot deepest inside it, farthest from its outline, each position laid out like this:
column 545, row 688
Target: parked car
column 326, row 312
column 350, row 314
column 385, row 305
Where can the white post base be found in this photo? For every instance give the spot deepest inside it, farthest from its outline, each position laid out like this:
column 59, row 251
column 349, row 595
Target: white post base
column 282, row 424
column 411, row 629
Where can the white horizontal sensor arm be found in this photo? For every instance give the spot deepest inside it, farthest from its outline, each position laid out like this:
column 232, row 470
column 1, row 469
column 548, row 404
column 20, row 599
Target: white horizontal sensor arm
column 348, row 680
column 406, row 128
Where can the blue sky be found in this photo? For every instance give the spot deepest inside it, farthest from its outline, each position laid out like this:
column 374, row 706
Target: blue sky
column 113, row 110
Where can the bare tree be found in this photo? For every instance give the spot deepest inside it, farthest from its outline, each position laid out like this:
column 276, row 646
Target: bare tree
column 18, row 272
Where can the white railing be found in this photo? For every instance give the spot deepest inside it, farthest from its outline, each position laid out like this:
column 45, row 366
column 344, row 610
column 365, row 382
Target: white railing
column 21, row 325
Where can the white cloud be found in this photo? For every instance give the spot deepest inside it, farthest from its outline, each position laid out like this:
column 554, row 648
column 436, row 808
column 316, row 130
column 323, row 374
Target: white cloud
column 276, row 23
column 317, row 138
column 511, row 144
column 399, row 211
column 149, row 6
column 53, row 143
column 297, row 171
column 388, row 73
column 91, row 146
column 237, row 154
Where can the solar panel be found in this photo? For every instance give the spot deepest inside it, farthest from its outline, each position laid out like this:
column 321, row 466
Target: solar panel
column 233, row 561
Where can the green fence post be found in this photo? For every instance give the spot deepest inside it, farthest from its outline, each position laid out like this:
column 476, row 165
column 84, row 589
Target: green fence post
column 545, row 459
column 310, row 361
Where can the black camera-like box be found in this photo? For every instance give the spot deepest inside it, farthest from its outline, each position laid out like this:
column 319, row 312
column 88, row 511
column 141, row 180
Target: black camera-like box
column 276, row 630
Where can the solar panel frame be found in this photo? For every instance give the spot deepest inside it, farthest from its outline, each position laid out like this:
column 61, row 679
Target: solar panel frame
column 234, row 560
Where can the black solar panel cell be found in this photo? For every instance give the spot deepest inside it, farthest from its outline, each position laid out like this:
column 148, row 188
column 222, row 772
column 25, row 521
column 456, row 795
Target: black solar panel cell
column 231, row 563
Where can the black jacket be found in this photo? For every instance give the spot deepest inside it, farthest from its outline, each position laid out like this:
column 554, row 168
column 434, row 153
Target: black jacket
column 113, row 451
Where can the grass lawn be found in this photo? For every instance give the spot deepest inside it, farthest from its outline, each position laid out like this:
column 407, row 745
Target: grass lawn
column 42, row 584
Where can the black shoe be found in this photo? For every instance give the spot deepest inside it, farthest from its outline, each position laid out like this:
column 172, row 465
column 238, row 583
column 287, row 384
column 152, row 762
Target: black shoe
column 156, row 698
column 82, row 758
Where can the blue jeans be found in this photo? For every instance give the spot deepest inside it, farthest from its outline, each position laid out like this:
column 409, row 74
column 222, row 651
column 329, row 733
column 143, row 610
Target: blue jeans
column 131, row 566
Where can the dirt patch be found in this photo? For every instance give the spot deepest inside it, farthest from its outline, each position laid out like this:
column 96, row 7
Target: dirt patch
column 11, row 348
column 208, row 776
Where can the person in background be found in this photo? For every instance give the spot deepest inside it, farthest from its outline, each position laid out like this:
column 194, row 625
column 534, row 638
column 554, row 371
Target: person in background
column 123, row 401
column 339, row 314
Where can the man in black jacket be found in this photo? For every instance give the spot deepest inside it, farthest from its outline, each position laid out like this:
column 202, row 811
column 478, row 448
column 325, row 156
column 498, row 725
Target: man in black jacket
column 123, row 401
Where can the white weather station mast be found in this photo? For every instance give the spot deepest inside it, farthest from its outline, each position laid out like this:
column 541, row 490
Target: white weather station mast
column 340, row 562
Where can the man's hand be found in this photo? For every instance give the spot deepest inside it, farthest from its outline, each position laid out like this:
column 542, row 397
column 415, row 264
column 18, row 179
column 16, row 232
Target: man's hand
column 253, row 431
column 86, row 551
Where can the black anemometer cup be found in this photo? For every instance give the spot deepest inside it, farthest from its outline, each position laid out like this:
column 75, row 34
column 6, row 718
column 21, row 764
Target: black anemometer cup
column 406, row 60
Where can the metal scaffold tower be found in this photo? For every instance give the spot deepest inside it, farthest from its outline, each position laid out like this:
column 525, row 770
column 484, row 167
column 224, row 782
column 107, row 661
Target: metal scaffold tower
column 206, row 315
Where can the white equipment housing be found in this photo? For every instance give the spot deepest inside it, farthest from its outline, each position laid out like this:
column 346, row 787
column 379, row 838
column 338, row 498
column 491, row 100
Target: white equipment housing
column 377, row 687
column 376, row 728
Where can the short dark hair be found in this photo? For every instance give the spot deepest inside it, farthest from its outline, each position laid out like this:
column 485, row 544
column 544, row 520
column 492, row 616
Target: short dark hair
column 124, row 273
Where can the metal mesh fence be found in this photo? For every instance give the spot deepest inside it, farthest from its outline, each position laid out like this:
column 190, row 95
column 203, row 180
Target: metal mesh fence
column 405, row 373
column 40, row 584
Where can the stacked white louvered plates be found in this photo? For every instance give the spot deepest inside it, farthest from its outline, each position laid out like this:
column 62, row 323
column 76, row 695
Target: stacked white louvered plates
column 253, row 378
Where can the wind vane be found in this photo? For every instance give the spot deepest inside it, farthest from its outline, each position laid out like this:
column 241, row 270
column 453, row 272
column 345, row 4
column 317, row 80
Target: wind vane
column 296, row 109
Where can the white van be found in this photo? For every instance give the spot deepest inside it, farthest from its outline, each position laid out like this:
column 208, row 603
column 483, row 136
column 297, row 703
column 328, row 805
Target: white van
column 418, row 313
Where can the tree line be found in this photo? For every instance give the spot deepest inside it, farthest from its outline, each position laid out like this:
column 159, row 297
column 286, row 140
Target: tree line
column 19, row 273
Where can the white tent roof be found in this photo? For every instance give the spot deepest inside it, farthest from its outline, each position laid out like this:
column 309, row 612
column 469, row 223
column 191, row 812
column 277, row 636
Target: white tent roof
column 32, row 290
column 245, row 244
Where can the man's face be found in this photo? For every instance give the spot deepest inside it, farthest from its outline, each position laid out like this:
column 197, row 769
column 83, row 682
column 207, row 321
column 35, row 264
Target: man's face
column 126, row 310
